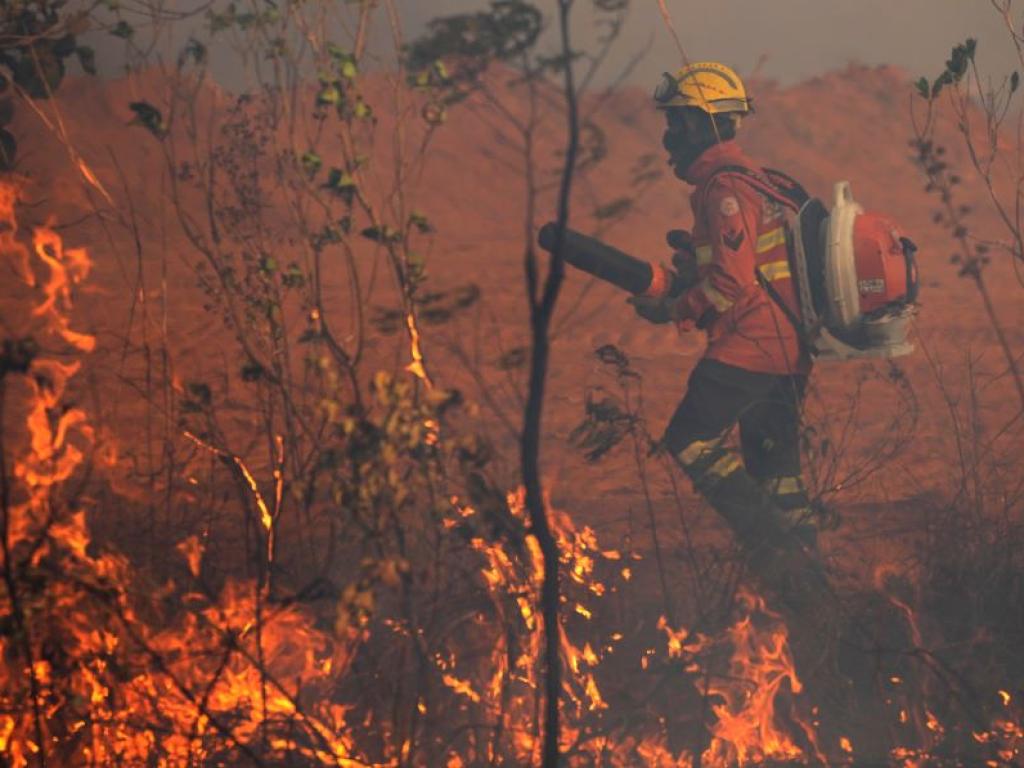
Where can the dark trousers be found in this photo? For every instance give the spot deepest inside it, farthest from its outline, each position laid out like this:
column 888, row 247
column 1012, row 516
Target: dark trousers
column 766, row 406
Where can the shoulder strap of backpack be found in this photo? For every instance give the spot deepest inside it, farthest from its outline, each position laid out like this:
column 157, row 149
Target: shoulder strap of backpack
column 801, row 332
column 786, row 191
column 780, row 187
column 789, row 187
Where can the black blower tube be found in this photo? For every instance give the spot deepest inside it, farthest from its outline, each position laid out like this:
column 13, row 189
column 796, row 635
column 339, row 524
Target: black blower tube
column 599, row 259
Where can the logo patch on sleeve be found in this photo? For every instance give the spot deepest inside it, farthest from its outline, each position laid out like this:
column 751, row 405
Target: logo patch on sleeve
column 729, row 206
column 733, row 239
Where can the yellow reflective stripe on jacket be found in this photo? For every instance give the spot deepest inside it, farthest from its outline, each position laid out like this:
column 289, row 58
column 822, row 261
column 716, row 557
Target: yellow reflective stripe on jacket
column 769, row 240
column 716, row 297
column 775, row 270
column 765, row 243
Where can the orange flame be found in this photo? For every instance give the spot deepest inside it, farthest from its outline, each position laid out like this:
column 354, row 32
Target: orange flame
column 744, row 700
column 213, row 674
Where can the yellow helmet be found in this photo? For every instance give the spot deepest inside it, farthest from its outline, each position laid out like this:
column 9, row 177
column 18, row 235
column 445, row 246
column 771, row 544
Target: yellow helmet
column 707, row 85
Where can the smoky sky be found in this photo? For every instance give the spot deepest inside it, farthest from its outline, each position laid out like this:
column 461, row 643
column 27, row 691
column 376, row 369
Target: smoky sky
column 786, row 40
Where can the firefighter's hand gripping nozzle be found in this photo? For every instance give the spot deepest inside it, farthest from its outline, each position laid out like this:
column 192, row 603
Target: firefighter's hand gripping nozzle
column 639, row 277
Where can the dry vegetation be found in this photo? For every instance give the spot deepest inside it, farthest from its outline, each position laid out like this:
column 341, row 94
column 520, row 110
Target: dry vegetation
column 265, row 367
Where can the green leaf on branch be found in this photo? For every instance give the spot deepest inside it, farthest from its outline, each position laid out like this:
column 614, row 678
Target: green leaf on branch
column 86, row 59
column 604, row 426
column 123, row 29
column 311, row 162
column 505, row 30
column 328, row 235
column 383, row 234
column 422, row 224
column 344, row 61
column 329, row 95
column 942, row 80
column 416, row 267
column 362, row 110
column 436, row 75
column 193, row 50
column 346, row 64
column 64, row 46
column 459, row 48
column 959, row 60
column 293, row 277
column 39, row 72
column 341, row 183
column 149, row 117
column 252, row 371
column 923, row 88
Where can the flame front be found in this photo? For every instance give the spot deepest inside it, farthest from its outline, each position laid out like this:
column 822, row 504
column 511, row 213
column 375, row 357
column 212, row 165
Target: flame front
column 97, row 683
column 102, row 667
column 760, row 669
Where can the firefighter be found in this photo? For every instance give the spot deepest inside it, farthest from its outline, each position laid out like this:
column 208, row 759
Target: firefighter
column 754, row 370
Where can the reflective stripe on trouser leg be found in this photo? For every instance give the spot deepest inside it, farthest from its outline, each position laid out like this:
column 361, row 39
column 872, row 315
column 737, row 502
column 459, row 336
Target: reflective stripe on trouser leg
column 708, row 462
column 718, row 475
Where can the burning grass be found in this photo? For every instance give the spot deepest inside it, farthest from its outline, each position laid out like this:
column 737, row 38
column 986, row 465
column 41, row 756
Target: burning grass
column 104, row 665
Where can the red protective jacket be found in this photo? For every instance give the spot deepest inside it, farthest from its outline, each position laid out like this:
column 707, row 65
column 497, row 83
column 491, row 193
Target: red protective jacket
column 736, row 231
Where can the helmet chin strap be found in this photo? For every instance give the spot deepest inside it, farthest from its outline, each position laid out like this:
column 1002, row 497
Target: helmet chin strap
column 689, row 136
column 684, row 152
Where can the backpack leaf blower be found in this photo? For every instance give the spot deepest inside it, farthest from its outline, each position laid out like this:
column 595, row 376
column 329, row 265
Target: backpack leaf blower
column 641, row 278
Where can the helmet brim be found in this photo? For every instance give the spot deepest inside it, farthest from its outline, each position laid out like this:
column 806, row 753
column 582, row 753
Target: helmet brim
column 716, row 107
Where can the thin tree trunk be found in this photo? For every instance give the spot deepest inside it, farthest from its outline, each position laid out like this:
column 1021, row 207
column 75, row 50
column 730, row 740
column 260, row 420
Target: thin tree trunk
column 541, row 312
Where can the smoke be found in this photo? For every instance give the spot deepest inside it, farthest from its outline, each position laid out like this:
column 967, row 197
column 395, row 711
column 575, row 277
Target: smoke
column 786, row 40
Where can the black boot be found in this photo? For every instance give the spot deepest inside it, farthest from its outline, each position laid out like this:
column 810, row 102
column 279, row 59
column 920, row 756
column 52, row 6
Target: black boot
column 783, row 558
column 799, row 513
